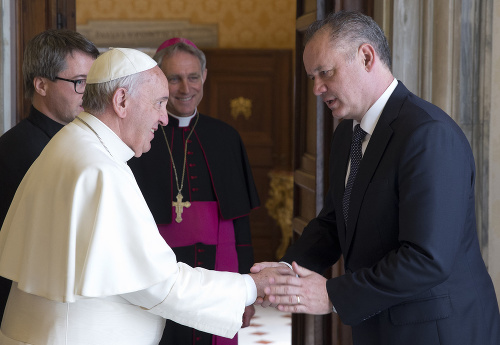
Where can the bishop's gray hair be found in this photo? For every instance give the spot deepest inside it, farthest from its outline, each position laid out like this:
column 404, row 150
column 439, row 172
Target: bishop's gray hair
column 181, row 46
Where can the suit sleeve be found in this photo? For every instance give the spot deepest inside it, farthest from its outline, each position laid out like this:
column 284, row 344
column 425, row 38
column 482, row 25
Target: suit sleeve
column 318, row 247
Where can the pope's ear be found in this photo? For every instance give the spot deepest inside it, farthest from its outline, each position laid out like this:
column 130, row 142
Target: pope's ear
column 120, row 101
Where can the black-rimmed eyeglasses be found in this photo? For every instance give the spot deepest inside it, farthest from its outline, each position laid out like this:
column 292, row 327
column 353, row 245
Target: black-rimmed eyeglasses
column 79, row 84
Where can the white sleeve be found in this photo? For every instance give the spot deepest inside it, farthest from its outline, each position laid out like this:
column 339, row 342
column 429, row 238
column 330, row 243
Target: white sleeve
column 209, row 301
column 149, row 297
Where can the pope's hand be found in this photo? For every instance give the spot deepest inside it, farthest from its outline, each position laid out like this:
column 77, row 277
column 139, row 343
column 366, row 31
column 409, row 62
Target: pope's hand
column 273, row 269
column 247, row 315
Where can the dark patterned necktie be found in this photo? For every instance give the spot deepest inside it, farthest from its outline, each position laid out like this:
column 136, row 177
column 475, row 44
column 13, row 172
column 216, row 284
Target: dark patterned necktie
column 356, row 155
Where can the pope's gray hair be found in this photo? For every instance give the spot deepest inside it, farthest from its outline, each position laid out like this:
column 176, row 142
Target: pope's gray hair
column 97, row 97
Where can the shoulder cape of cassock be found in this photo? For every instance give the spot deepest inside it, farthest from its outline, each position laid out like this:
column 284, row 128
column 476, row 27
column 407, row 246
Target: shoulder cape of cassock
column 78, row 225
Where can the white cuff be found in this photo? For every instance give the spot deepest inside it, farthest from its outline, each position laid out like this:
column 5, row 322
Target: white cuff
column 286, row 263
column 251, row 290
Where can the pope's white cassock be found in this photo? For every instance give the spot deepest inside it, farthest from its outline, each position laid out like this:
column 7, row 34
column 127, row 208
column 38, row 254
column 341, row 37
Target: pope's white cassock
column 87, row 261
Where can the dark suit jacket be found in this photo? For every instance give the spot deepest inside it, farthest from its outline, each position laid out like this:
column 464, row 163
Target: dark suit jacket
column 414, row 271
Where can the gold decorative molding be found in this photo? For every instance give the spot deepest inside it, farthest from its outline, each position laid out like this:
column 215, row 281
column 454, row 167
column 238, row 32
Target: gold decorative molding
column 241, row 105
column 280, row 206
column 147, row 34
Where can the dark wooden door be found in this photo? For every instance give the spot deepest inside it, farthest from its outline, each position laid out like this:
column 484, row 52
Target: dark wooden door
column 313, row 129
column 33, row 17
column 252, row 91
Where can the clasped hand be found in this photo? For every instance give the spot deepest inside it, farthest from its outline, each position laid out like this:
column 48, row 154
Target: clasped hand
column 296, row 290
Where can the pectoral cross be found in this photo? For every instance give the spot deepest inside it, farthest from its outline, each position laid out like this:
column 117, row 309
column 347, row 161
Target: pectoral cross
column 179, row 207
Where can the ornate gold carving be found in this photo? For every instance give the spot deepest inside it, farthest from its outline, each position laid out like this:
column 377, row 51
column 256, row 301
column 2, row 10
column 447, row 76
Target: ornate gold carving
column 242, row 106
column 280, row 206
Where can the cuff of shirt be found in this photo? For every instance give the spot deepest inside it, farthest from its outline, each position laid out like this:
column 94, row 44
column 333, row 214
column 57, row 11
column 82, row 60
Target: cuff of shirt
column 286, row 263
column 251, row 290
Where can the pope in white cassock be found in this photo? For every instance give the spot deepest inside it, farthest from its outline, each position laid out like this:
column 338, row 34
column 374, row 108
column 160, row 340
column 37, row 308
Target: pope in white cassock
column 86, row 259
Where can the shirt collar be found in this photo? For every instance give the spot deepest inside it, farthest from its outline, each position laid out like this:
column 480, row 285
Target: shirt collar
column 369, row 121
column 184, row 121
column 117, row 148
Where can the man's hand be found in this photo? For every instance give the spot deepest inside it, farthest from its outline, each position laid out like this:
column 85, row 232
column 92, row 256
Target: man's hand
column 269, row 270
column 247, row 315
column 304, row 294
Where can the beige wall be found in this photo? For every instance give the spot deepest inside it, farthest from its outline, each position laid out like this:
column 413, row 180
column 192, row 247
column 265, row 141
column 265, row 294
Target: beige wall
column 259, row 24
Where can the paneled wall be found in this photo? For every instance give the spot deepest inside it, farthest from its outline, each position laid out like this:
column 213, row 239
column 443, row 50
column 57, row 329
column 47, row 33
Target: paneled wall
column 494, row 152
column 241, row 23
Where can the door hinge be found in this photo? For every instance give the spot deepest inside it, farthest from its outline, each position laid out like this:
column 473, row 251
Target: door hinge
column 60, row 21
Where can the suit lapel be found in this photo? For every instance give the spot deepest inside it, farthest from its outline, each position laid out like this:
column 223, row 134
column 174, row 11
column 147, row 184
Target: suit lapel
column 371, row 158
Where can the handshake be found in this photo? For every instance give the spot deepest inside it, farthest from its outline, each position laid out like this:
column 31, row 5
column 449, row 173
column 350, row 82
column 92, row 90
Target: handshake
column 295, row 290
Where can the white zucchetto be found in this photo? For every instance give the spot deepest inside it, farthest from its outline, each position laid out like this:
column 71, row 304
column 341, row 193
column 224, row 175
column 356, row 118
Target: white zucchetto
column 117, row 63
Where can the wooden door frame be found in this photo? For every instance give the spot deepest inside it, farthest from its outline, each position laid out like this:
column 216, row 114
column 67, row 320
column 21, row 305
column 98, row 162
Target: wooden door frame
column 310, row 173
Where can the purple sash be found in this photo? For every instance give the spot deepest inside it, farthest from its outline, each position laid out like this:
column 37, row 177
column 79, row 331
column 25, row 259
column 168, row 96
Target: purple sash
column 201, row 223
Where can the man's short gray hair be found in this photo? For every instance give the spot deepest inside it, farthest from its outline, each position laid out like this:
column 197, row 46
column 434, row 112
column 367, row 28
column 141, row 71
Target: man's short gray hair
column 349, row 30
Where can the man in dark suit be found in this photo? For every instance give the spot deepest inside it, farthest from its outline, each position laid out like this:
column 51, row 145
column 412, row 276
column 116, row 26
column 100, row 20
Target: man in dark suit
column 55, row 67
column 405, row 223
